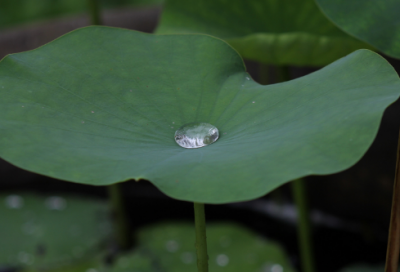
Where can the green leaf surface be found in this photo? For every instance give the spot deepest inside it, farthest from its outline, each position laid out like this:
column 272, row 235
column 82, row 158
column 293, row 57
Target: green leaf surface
column 375, row 22
column 101, row 105
column 269, row 31
column 41, row 232
column 169, row 247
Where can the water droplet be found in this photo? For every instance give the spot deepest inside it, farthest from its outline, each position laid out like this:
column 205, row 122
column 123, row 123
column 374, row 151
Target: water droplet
column 276, row 268
column 222, row 260
column 172, row 246
column 173, row 122
column 56, row 203
column 187, row 257
column 247, row 78
column 22, row 106
column 91, row 270
column 83, row 122
column 254, row 102
column 92, row 111
column 131, row 90
column 195, row 135
column 25, row 258
column 14, row 201
column 272, row 268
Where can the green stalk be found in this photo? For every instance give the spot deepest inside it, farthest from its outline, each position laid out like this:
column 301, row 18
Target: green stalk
column 121, row 224
column 94, row 9
column 303, row 227
column 392, row 255
column 300, row 199
column 201, row 239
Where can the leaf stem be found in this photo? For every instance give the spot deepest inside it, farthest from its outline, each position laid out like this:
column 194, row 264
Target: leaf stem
column 94, row 9
column 201, row 239
column 121, row 223
column 392, row 255
column 303, row 227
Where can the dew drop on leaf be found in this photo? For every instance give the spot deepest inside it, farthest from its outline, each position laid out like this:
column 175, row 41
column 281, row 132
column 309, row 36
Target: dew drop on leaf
column 222, row 260
column 14, row 201
column 172, row 246
column 276, row 268
column 195, row 135
column 56, row 203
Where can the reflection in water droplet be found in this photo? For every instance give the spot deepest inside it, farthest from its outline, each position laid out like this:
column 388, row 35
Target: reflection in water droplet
column 56, row 203
column 195, row 135
column 254, row 102
column 272, row 268
column 222, row 260
column 172, row 246
column 276, row 268
column 187, row 257
column 91, row 270
column 14, row 201
column 25, row 258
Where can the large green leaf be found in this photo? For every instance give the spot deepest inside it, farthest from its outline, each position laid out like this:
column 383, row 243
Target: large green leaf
column 270, row 31
column 101, row 105
column 41, row 232
column 375, row 22
column 169, row 247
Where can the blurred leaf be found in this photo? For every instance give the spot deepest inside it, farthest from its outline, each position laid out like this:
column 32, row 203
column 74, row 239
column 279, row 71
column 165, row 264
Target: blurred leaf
column 22, row 11
column 98, row 115
column 42, row 232
column 375, row 22
column 270, row 31
column 170, row 247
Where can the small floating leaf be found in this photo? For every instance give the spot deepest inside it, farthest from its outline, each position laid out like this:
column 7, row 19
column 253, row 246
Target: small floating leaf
column 50, row 231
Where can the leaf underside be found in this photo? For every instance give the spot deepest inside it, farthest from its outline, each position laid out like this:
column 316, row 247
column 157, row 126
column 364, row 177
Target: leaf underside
column 375, row 22
column 271, row 31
